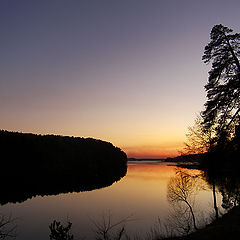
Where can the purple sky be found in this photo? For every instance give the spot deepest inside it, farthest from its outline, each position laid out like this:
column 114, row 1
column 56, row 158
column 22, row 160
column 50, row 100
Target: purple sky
column 128, row 72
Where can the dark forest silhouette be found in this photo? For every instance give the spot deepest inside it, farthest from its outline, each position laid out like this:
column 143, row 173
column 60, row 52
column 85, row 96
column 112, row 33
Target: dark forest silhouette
column 221, row 116
column 217, row 129
column 49, row 164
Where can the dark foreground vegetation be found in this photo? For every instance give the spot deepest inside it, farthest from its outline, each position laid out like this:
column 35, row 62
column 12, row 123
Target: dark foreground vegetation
column 227, row 227
column 48, row 164
column 224, row 228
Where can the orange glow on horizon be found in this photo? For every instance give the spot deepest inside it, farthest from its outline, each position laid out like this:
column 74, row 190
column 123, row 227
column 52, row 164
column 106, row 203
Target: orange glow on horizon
column 154, row 152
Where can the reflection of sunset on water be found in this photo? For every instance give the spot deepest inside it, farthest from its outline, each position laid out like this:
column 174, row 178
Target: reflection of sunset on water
column 150, row 171
column 152, row 180
column 142, row 193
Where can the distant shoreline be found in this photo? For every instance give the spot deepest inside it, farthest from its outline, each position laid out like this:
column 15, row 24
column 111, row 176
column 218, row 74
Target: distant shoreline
column 182, row 158
column 181, row 164
column 147, row 159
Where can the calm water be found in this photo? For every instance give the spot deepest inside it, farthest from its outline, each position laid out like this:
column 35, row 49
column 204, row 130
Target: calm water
column 141, row 194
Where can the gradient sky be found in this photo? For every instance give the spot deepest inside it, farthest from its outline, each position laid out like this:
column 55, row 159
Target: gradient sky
column 128, row 72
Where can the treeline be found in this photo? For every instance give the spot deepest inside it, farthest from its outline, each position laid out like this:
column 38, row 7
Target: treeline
column 192, row 158
column 44, row 164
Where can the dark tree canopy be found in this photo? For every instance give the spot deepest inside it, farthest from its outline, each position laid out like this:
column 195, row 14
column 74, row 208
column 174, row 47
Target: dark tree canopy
column 223, row 87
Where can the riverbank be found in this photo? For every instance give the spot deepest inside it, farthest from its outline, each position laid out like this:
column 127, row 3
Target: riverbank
column 226, row 227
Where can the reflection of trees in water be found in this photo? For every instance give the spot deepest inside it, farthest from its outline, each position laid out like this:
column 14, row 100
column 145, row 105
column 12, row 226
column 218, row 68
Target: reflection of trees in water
column 181, row 192
column 212, row 184
column 20, row 190
column 230, row 191
column 228, row 184
column 183, row 188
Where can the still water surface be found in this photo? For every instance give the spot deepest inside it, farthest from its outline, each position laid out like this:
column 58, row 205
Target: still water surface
column 141, row 194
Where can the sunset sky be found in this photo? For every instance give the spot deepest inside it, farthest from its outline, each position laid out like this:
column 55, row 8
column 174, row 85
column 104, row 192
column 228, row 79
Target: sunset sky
column 125, row 71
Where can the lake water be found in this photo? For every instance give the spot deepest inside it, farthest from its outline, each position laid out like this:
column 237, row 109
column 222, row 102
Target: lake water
column 141, row 195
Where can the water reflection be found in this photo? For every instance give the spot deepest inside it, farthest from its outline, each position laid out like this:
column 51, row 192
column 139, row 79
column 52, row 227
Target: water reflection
column 21, row 189
column 183, row 188
column 226, row 183
column 141, row 194
column 181, row 193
